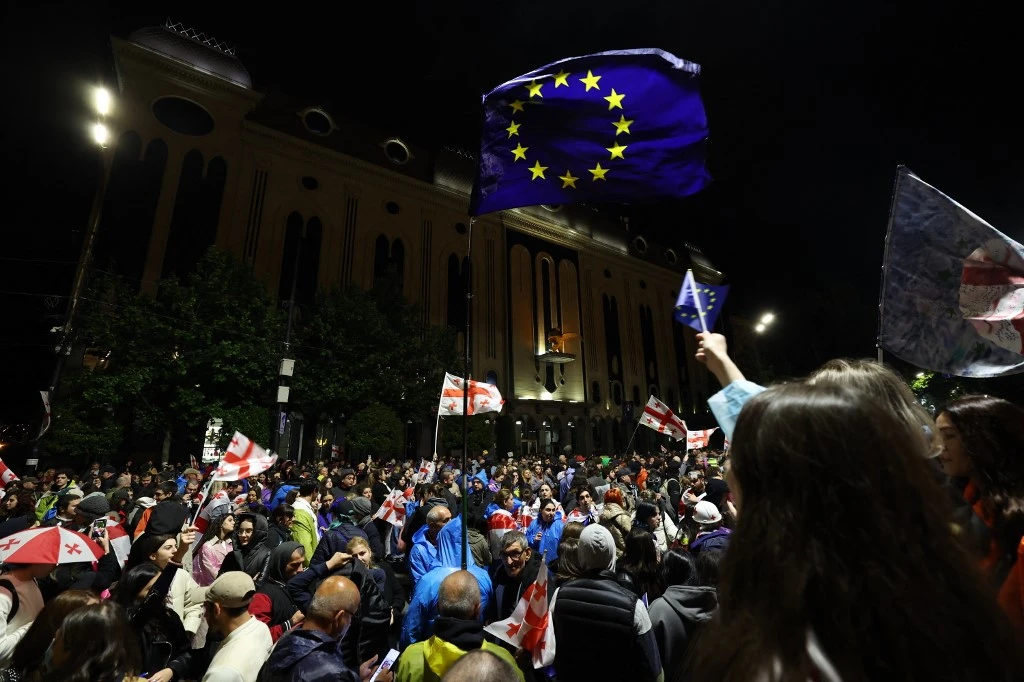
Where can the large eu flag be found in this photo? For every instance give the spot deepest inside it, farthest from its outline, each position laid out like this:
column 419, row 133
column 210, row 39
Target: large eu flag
column 618, row 126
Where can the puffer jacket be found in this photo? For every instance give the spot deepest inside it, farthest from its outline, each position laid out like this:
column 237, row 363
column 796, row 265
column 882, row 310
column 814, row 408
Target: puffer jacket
column 251, row 558
column 618, row 522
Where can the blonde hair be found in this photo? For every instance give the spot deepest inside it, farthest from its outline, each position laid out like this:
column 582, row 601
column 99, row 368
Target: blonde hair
column 357, row 543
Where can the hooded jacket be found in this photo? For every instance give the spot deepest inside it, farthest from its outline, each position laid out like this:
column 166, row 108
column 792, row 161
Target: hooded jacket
column 335, row 540
column 309, row 656
column 453, row 638
column 676, row 616
column 273, row 603
column 423, row 556
column 716, row 539
column 618, row 522
column 419, row 618
column 251, row 558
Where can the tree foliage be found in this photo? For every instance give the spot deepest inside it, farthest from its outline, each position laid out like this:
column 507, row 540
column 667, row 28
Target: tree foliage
column 206, row 346
column 480, row 435
column 376, row 431
column 360, row 347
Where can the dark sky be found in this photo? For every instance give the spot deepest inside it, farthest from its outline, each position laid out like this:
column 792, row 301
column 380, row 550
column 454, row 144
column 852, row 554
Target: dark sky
column 811, row 107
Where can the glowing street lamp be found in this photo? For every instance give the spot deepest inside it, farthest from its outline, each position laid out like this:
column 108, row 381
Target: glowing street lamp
column 102, row 101
column 760, row 327
column 100, row 134
column 767, row 318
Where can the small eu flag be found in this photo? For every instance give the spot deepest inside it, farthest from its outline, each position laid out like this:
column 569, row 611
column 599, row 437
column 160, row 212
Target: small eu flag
column 618, row 126
column 697, row 300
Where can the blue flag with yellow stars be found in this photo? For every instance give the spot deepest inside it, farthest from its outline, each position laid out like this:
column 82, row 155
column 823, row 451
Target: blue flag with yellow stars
column 708, row 297
column 620, row 126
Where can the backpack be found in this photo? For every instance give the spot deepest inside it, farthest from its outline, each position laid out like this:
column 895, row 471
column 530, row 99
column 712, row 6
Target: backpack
column 15, row 599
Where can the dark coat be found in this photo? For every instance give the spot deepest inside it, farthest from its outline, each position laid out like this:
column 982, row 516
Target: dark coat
column 306, row 656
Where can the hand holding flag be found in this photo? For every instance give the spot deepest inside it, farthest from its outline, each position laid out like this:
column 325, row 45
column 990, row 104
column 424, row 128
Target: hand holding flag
column 699, row 305
column 530, row 627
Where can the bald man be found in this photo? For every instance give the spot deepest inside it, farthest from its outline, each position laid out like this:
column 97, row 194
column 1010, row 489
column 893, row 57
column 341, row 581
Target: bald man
column 311, row 653
column 481, row 666
column 457, row 630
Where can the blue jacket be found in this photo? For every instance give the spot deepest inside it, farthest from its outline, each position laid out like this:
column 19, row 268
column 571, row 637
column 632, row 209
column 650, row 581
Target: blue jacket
column 306, row 656
column 279, row 496
column 727, row 403
column 422, row 556
column 551, row 536
column 418, row 624
column 717, row 539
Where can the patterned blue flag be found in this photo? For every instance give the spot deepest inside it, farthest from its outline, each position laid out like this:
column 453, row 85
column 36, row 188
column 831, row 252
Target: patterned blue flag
column 617, row 126
column 710, row 297
column 951, row 293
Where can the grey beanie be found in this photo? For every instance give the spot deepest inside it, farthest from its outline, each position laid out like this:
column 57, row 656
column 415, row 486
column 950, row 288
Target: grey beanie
column 93, row 506
column 597, row 549
column 361, row 505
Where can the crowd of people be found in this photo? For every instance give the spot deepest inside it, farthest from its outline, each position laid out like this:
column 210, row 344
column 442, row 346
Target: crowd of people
column 844, row 535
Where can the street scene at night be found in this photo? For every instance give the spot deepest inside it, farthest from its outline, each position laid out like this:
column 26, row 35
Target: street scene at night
column 448, row 341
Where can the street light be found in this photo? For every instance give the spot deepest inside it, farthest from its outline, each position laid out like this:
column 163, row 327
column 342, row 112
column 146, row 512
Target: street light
column 102, row 101
column 764, row 323
column 760, row 328
column 100, row 134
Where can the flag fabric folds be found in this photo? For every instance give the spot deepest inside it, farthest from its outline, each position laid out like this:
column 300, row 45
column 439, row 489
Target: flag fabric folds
column 698, row 440
column 483, row 397
column 425, row 473
column 620, row 126
column 659, row 417
column 7, row 475
column 219, row 500
column 530, row 627
column 695, row 297
column 242, row 459
column 952, row 286
column 392, row 509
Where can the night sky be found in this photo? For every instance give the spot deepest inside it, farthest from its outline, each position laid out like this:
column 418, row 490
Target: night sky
column 811, row 108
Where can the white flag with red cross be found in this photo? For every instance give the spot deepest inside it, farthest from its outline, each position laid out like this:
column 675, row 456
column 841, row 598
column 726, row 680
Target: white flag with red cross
column 530, row 627
column 119, row 540
column 483, row 397
column 393, row 508
column 698, row 440
column 659, row 417
column 6, row 475
column 242, row 459
column 219, row 499
column 425, row 473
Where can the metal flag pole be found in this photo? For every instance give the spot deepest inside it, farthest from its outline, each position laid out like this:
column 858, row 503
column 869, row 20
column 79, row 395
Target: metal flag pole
column 635, row 429
column 465, row 394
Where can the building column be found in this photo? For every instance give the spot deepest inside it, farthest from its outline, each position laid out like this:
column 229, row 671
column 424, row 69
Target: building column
column 162, row 220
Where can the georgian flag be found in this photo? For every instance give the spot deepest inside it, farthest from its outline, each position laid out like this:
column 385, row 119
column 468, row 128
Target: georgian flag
column 425, row 473
column 659, row 417
column 119, row 540
column 242, row 459
column 393, row 508
column 530, row 627
column 992, row 294
column 219, row 499
column 483, row 397
column 499, row 522
column 698, row 440
column 6, row 475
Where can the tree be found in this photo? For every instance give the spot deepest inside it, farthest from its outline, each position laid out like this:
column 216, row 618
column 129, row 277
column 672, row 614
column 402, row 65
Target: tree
column 480, row 435
column 201, row 348
column 361, row 347
column 375, row 431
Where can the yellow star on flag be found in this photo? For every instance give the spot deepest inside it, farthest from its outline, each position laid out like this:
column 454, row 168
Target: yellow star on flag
column 560, row 78
column 598, row 172
column 519, row 152
column 517, row 105
column 622, row 125
column 513, row 129
column 534, row 88
column 617, row 150
column 591, row 81
column 614, row 100
column 538, row 171
column 568, row 180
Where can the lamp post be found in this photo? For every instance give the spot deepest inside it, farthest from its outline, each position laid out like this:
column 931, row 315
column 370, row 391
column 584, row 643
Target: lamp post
column 103, row 104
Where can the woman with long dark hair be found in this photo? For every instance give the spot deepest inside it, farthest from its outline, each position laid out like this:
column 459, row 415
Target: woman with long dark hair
column 94, row 644
column 186, row 597
column 208, row 554
column 20, row 513
column 30, row 651
column 842, row 565
column 983, row 452
column 637, row 570
column 142, row 591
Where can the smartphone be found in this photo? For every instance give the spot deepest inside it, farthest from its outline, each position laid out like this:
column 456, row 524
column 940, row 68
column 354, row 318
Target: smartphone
column 386, row 664
column 97, row 527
